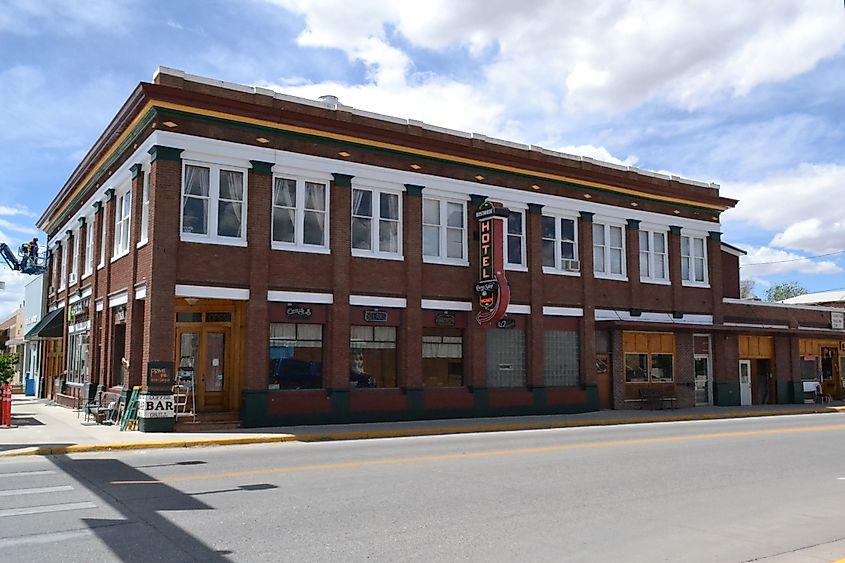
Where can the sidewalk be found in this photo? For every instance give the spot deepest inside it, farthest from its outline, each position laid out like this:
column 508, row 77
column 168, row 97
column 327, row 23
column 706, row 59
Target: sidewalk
column 42, row 428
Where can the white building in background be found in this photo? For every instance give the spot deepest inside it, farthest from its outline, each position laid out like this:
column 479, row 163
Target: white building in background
column 33, row 312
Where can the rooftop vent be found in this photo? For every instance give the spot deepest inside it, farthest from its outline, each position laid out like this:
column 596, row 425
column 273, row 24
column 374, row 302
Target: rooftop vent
column 330, row 100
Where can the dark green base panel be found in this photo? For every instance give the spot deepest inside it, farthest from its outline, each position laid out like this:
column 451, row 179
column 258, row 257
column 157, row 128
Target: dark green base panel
column 794, row 392
column 156, row 424
column 254, row 413
column 726, row 394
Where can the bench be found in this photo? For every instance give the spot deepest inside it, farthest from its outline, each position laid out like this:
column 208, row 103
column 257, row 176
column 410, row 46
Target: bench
column 103, row 407
column 655, row 398
column 813, row 393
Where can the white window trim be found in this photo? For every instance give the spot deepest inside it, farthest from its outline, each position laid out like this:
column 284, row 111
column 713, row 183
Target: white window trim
column 89, row 247
column 102, row 261
column 442, row 228
column 557, row 269
column 651, row 254
column 144, row 234
column 375, row 220
column 120, row 248
column 211, row 236
column 691, row 283
column 522, row 267
column 74, row 260
column 299, row 215
column 63, row 267
column 607, row 223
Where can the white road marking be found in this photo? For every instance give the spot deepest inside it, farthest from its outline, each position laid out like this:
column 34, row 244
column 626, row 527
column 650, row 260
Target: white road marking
column 35, row 491
column 46, row 508
column 52, row 537
column 28, row 473
column 840, row 478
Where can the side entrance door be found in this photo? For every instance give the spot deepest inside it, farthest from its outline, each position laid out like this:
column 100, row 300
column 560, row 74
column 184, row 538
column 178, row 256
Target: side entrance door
column 203, row 360
column 703, row 395
column 603, row 380
column 745, row 382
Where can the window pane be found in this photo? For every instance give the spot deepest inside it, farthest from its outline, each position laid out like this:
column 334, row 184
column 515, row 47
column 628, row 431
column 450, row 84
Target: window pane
column 644, row 241
column 313, row 231
column 455, row 243
column 195, row 216
column 567, row 229
column 231, row 185
column 196, row 180
column 685, row 267
column 315, row 196
column 616, row 236
column 685, row 246
column 284, row 192
column 549, row 253
column 431, row 211
column 515, row 249
column 615, row 261
column 598, row 234
column 283, row 229
column 698, row 244
column 598, row 259
column 362, row 203
column 635, row 368
column 361, row 234
column 515, row 223
column 699, row 269
column 659, row 242
column 388, row 240
column 645, row 271
column 431, row 241
column 567, row 250
column 661, row 367
column 389, row 206
column 659, row 267
column 454, row 215
column 229, row 219
column 548, row 227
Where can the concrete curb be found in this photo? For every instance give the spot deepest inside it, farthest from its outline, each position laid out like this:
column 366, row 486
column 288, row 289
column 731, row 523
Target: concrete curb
column 395, row 433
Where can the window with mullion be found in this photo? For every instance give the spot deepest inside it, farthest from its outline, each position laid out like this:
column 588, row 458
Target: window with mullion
column 299, row 213
column 75, row 260
column 89, row 246
column 693, row 259
column 653, row 258
column 444, row 228
column 559, row 242
column 230, row 204
column 214, row 200
column 195, row 198
column 122, row 214
column 515, row 247
column 376, row 219
column 608, row 250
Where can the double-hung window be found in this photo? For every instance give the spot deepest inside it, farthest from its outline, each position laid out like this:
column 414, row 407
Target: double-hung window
column 214, row 204
column 63, row 269
column 102, row 261
column 74, row 262
column 300, row 216
column 608, row 250
column 376, row 223
column 560, row 245
column 444, row 231
column 145, row 210
column 89, row 246
column 694, row 260
column 654, row 265
column 122, row 214
column 515, row 247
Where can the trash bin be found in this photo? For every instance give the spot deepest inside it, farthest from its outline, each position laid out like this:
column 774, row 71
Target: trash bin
column 29, row 386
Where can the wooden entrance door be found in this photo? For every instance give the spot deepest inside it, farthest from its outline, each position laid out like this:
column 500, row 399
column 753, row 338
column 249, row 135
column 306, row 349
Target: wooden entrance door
column 204, row 355
column 603, row 380
column 831, row 382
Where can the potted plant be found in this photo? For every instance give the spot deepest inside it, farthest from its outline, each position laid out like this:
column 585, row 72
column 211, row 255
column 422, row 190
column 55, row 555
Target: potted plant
column 8, row 362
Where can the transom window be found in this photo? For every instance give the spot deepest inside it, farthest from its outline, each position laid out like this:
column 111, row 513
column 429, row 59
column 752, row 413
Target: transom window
column 608, row 250
column 376, row 219
column 213, row 204
column 694, row 260
column 515, row 248
column 299, row 214
column 560, row 250
column 122, row 214
column 444, row 227
column 653, row 259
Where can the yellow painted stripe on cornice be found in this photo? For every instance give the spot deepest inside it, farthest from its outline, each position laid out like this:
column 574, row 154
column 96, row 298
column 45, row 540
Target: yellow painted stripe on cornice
column 372, row 143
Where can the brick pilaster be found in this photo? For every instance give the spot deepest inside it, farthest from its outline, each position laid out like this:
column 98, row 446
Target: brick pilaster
column 674, row 248
column 714, row 266
column 536, row 328
column 341, row 245
column 410, row 339
column 587, row 335
column 109, row 378
column 475, row 359
column 632, row 244
column 133, row 350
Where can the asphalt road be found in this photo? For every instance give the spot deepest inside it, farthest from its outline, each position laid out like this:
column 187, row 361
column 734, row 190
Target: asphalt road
column 727, row 490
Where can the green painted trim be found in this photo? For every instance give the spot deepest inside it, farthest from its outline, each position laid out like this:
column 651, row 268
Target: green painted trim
column 414, row 190
column 98, row 205
column 715, row 235
column 476, row 199
column 109, row 194
column 415, row 399
column 593, row 402
column 675, row 230
column 633, row 224
column 587, row 216
column 136, row 170
column 253, row 408
column 262, row 168
column 636, row 312
column 535, row 209
column 342, row 180
column 726, row 394
column 158, row 152
column 677, row 315
column 82, row 221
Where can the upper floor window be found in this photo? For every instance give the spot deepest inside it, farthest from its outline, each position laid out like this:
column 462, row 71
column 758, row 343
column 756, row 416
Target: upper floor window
column 74, row 262
column 213, row 204
column 515, row 248
column 299, row 214
column 560, row 247
column 444, row 230
column 376, row 219
column 63, row 268
column 145, row 209
column 654, row 264
column 694, row 260
column 608, row 250
column 89, row 247
column 102, row 261
column 122, row 214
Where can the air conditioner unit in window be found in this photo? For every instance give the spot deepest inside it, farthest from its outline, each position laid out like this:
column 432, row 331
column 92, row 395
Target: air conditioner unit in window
column 572, row 265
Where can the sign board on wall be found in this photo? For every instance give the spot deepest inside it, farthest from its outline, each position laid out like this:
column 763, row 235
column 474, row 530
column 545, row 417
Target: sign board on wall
column 837, row 320
column 160, row 375
column 298, row 312
column 156, row 406
column 492, row 289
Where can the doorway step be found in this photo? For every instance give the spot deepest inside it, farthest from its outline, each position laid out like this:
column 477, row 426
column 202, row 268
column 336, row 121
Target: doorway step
column 210, row 421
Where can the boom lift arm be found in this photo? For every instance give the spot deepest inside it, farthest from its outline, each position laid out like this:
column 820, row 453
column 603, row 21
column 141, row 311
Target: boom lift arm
column 28, row 261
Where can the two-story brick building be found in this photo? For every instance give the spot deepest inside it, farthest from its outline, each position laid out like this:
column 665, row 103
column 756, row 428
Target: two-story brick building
column 303, row 261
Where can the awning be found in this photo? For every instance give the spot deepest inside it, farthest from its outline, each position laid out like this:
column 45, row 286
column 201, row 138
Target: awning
column 51, row 326
column 14, row 342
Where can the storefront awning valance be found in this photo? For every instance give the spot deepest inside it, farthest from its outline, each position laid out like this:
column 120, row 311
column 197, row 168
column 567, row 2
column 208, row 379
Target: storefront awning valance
column 51, row 326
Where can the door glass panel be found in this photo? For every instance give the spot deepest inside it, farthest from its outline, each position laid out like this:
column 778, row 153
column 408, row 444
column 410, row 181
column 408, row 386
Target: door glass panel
column 215, row 357
column 743, row 373
column 188, row 354
column 701, row 375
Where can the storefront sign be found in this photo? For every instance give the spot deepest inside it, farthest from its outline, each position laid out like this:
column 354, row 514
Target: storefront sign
column 79, row 308
column 492, row 288
column 160, row 375
column 120, row 315
column 156, row 406
column 506, row 323
column 298, row 313
column 837, row 321
column 445, row 319
column 375, row 316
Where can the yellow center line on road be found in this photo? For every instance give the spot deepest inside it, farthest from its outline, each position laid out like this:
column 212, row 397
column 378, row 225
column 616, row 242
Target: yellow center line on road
column 476, row 455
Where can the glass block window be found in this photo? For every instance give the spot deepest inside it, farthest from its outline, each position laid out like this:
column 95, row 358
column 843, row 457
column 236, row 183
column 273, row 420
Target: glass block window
column 561, row 364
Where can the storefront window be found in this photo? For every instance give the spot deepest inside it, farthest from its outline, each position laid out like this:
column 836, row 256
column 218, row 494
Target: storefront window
column 442, row 352
column 561, row 365
column 649, row 368
column 373, row 360
column 296, row 356
column 661, row 368
column 77, row 360
column 635, row 368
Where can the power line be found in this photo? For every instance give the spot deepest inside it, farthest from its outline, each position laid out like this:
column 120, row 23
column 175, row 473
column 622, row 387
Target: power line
column 794, row 259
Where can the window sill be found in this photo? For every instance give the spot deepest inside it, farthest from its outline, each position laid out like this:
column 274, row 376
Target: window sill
column 101, row 265
column 610, row 277
column 515, row 268
column 117, row 257
column 556, row 272
column 655, row 281
column 224, row 241
column 357, row 253
column 142, row 243
column 442, row 262
column 86, row 275
column 301, row 248
column 703, row 285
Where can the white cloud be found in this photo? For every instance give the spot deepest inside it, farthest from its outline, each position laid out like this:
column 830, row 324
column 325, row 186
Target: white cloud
column 765, row 261
column 16, row 210
column 598, row 153
column 61, row 17
column 801, row 206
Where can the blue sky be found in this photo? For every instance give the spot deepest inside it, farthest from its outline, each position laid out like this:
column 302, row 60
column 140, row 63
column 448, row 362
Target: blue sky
column 748, row 95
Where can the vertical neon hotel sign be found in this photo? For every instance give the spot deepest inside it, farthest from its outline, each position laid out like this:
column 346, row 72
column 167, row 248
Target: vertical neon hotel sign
column 492, row 289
